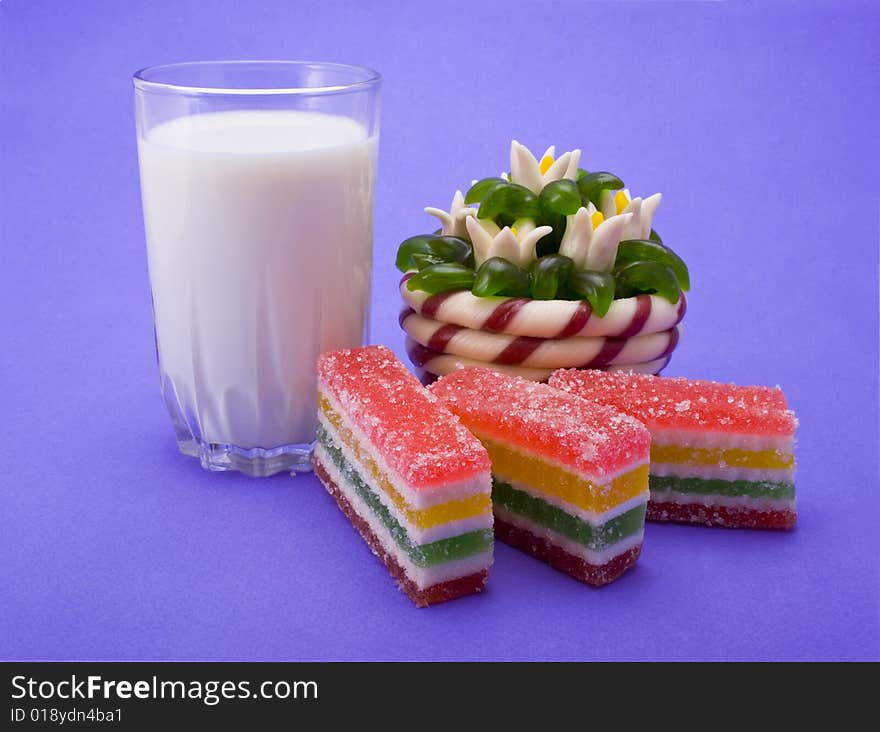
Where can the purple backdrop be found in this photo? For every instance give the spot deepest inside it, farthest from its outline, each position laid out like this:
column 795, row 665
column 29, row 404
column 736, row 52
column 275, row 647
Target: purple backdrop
column 758, row 124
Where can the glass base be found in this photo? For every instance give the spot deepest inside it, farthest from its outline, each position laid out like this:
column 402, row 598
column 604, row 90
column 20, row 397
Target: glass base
column 256, row 462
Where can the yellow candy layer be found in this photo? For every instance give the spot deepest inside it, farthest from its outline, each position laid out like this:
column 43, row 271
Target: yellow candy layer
column 545, row 163
column 442, row 513
column 734, row 458
column 596, row 219
column 620, row 201
column 554, row 481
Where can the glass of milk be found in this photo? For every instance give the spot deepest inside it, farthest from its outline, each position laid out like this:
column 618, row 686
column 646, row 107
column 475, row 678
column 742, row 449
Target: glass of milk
column 257, row 186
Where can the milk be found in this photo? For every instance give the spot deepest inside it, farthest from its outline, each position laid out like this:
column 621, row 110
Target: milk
column 259, row 240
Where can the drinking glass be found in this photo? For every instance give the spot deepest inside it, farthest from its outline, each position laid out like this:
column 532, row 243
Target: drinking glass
column 257, row 186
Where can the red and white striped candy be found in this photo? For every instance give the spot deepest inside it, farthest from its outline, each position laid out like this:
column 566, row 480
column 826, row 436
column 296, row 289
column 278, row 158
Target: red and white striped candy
column 539, row 353
column 434, row 363
column 520, row 316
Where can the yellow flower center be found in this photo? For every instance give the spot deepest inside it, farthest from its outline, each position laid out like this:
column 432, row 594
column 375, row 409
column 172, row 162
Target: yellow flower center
column 545, row 163
column 596, row 219
column 620, row 201
column 513, row 230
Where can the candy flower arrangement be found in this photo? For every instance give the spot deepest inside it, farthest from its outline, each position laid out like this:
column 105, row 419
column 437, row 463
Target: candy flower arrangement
column 547, row 266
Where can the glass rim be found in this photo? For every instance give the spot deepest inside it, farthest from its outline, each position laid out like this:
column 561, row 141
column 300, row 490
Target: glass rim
column 142, row 82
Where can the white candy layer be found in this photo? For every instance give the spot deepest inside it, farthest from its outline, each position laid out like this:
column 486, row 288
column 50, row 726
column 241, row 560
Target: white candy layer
column 746, row 502
column 714, row 472
column 722, row 440
column 422, row 577
column 572, row 547
column 416, row 534
column 453, row 491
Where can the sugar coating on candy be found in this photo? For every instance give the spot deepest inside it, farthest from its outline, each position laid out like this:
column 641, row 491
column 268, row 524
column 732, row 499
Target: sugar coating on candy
column 575, row 433
column 414, row 432
column 666, row 402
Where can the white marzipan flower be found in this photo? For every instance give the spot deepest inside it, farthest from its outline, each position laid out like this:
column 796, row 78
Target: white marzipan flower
column 640, row 227
column 592, row 249
column 606, row 237
column 643, row 211
column 576, row 240
column 607, row 204
column 527, row 171
column 452, row 222
column 490, row 241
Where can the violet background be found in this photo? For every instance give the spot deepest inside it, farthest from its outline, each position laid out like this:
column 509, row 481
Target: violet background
column 757, row 121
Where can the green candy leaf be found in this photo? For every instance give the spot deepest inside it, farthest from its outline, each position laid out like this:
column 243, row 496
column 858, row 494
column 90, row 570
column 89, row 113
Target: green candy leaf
column 654, row 236
column 560, row 197
column 582, row 173
column 549, row 274
column 408, row 247
column 497, row 276
column 442, row 277
column 424, row 260
column 550, row 244
column 511, row 200
column 477, row 192
column 637, row 250
column 597, row 288
column 639, row 277
column 454, row 250
column 439, row 248
column 591, row 185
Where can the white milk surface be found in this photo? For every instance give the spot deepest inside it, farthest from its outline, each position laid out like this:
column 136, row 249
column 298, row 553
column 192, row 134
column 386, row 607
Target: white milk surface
column 259, row 240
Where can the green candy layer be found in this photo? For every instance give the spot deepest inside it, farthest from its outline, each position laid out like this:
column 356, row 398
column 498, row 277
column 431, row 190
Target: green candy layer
column 704, row 486
column 554, row 518
column 422, row 555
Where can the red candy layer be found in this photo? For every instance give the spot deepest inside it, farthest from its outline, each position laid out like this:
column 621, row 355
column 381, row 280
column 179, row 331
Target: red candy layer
column 732, row 518
column 441, row 592
column 539, row 547
column 684, row 404
column 588, row 437
column 416, row 435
